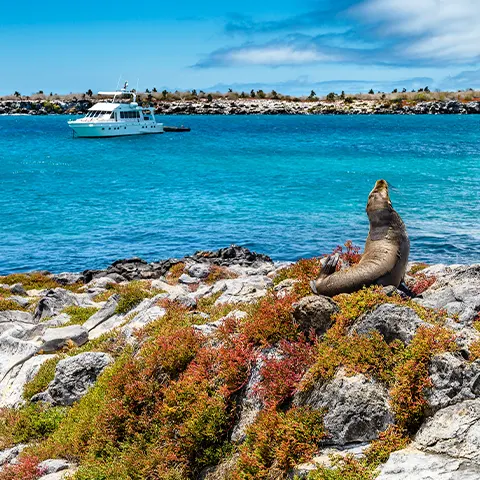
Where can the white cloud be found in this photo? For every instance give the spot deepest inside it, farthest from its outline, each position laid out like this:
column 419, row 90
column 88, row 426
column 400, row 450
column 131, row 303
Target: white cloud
column 427, row 30
column 274, row 55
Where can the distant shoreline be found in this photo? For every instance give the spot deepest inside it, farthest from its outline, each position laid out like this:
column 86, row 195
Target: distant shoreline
column 239, row 106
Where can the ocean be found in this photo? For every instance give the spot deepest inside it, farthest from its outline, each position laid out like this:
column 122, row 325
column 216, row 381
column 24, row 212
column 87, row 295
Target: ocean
column 287, row 186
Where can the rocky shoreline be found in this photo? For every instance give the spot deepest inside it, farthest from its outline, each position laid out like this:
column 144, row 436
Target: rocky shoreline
column 254, row 107
column 83, row 324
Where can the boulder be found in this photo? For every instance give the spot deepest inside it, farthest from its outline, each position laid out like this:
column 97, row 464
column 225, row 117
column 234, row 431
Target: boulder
column 53, row 465
column 67, row 278
column 457, row 290
column 13, row 351
column 393, row 322
column 242, row 289
column 107, row 311
column 453, row 431
column 11, row 388
column 22, row 302
column 15, row 316
column 314, row 313
column 413, row 464
column 54, row 302
column 9, row 455
column 250, row 403
column 142, row 319
column 199, row 270
column 357, row 408
column 232, row 255
column 73, row 377
column 453, row 381
column 17, row 289
column 56, row 338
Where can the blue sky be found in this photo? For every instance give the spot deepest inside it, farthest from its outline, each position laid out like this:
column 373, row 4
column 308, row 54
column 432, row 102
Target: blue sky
column 292, row 47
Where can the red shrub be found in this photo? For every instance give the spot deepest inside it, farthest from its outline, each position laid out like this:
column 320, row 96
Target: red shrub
column 281, row 376
column 422, row 283
column 26, row 469
column 272, row 321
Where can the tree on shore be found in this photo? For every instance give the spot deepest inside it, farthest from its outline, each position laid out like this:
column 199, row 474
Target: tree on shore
column 274, row 95
column 209, row 97
column 17, row 94
column 394, row 90
column 89, row 92
column 261, row 94
column 312, row 95
column 371, row 92
column 154, row 90
column 331, row 97
column 164, row 94
column 252, row 93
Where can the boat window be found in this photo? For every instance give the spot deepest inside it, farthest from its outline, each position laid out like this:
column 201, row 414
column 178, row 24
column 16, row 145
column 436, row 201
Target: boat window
column 112, row 115
column 122, row 115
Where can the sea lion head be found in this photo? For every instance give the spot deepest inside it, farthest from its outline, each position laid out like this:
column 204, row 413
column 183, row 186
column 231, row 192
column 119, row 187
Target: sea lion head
column 379, row 198
column 379, row 210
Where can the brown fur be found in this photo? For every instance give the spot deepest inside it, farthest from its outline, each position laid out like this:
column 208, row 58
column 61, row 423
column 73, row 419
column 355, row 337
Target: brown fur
column 386, row 251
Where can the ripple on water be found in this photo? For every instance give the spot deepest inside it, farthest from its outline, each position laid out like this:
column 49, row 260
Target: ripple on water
column 290, row 187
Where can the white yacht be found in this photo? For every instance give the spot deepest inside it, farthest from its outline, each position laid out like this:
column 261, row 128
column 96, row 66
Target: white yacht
column 111, row 119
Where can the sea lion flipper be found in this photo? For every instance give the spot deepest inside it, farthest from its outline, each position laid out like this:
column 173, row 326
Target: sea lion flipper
column 330, row 265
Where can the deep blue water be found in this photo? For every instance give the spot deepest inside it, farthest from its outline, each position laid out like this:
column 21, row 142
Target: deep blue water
column 286, row 186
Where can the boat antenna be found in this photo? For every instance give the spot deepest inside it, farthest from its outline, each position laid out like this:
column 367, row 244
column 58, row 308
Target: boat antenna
column 119, row 79
column 136, row 90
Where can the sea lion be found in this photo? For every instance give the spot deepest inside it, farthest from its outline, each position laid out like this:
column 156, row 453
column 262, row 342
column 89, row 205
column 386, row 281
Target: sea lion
column 386, row 251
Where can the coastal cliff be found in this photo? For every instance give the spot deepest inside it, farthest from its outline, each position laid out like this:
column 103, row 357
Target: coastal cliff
column 222, row 365
column 254, row 107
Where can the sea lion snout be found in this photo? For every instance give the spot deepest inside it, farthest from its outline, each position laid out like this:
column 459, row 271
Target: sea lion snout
column 379, row 197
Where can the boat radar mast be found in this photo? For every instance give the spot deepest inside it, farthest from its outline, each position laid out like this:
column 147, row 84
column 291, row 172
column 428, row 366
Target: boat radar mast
column 122, row 91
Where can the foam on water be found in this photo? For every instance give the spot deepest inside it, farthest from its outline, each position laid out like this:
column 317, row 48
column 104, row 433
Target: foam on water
column 286, row 186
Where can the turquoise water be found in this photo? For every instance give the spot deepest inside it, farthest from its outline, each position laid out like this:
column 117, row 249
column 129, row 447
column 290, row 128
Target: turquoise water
column 286, row 186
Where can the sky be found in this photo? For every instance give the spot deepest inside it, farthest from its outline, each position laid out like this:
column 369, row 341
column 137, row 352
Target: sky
column 289, row 46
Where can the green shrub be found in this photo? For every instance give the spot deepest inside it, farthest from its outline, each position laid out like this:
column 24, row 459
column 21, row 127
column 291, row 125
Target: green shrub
column 41, row 380
column 79, row 315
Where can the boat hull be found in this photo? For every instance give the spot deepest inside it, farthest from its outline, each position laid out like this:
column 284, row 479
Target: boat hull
column 92, row 130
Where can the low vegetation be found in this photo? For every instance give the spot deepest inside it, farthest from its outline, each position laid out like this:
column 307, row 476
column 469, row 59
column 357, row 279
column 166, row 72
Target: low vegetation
column 166, row 409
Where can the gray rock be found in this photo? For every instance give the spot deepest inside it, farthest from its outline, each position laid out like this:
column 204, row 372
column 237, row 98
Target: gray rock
column 285, row 287
column 393, row 322
column 22, row 302
column 242, row 289
column 142, row 319
column 13, row 350
column 323, row 458
column 314, row 312
column 453, row 431
column 54, row 302
column 73, row 377
column 67, row 278
column 210, row 328
column 453, row 381
column 53, row 466
column 250, row 404
column 16, row 316
column 199, row 270
column 107, row 311
column 187, row 279
column 17, row 289
column 457, row 290
column 56, row 338
column 9, row 454
column 57, row 320
column 62, row 475
column 412, row 464
column 357, row 408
